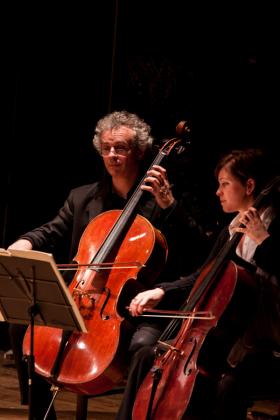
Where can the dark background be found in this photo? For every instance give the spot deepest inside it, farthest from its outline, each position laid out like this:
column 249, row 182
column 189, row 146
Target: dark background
column 65, row 67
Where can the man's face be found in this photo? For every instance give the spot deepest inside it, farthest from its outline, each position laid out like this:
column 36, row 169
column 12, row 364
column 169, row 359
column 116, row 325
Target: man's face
column 120, row 157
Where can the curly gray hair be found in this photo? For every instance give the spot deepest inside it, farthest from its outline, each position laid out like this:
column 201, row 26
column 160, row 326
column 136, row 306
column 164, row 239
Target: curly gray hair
column 143, row 140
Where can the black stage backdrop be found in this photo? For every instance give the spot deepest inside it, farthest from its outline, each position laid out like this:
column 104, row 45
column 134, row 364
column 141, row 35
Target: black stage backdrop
column 65, row 67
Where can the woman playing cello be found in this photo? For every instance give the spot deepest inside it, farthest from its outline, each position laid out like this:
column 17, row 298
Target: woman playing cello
column 123, row 141
column 241, row 175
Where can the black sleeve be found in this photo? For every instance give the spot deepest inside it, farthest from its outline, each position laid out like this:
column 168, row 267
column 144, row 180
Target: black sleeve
column 267, row 255
column 48, row 235
column 187, row 243
column 183, row 284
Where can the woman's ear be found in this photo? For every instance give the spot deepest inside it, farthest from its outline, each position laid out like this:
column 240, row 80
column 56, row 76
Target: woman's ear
column 251, row 185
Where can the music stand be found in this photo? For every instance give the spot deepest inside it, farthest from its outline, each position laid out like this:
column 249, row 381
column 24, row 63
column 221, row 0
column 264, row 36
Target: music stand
column 32, row 291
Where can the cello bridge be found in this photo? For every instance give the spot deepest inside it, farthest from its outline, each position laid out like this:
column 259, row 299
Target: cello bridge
column 82, row 294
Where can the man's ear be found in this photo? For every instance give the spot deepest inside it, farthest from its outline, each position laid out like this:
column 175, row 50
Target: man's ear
column 140, row 154
column 251, row 185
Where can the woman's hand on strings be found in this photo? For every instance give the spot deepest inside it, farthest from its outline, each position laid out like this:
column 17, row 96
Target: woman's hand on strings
column 157, row 184
column 253, row 226
column 145, row 300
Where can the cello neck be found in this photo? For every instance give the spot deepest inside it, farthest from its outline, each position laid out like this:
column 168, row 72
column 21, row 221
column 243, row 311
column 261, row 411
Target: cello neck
column 128, row 213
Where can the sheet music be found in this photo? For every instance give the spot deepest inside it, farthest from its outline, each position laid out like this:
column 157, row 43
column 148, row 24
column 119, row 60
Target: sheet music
column 28, row 273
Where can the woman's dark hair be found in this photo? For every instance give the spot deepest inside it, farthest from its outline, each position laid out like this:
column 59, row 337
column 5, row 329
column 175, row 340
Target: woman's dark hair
column 245, row 164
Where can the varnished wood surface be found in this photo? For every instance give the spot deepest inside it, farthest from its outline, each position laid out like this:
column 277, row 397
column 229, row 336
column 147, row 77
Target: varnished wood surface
column 99, row 408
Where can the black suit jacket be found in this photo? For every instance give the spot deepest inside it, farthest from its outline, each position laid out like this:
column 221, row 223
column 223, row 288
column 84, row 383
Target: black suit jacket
column 183, row 235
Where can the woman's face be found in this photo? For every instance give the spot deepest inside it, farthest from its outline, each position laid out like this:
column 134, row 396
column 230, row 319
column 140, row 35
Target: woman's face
column 234, row 196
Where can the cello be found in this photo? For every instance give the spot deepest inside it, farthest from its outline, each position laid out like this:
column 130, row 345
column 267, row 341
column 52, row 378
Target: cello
column 119, row 252
column 179, row 365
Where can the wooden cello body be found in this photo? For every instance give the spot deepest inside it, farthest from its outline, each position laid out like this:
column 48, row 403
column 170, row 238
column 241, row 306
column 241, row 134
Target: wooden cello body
column 191, row 354
column 120, row 252
column 93, row 362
